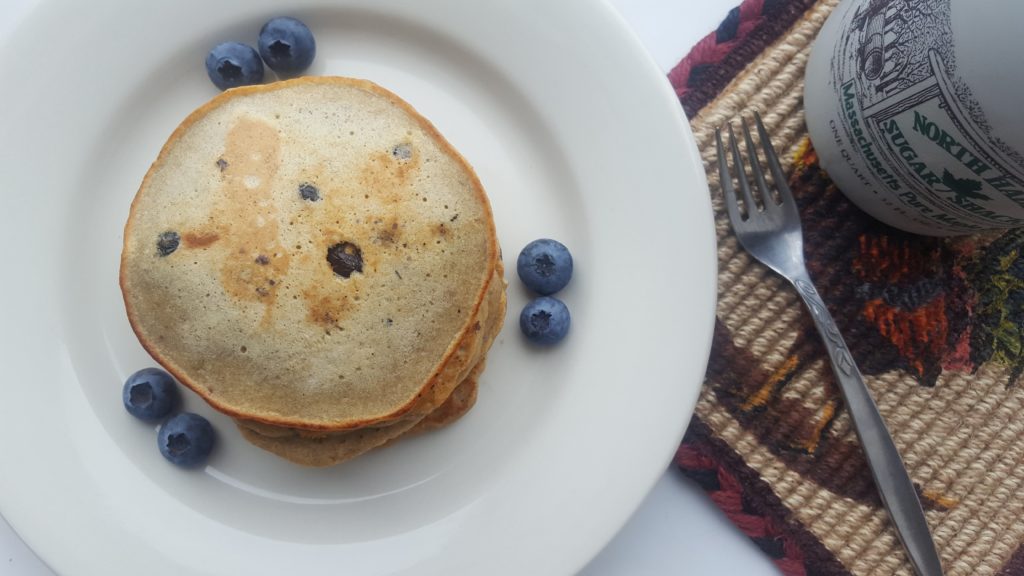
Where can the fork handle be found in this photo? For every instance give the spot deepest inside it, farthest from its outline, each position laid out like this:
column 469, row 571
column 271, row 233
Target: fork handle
column 894, row 485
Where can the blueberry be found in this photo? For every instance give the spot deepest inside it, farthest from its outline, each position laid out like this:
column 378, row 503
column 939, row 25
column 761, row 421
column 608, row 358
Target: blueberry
column 186, row 439
column 233, row 64
column 545, row 320
column 167, row 242
column 545, row 266
column 287, row 46
column 149, row 394
column 309, row 192
column 345, row 258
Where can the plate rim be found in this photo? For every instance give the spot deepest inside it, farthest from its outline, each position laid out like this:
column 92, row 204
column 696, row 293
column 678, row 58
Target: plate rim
column 629, row 37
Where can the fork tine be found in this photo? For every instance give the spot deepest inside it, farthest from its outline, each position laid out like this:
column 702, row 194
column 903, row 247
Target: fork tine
column 741, row 174
column 785, row 195
column 755, row 167
column 726, row 181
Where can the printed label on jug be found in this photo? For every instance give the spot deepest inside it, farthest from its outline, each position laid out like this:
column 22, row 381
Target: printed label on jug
column 909, row 128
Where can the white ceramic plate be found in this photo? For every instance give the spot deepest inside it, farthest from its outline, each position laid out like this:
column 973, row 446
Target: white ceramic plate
column 575, row 134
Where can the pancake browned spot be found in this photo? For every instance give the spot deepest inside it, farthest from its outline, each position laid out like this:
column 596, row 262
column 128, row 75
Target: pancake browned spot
column 200, row 239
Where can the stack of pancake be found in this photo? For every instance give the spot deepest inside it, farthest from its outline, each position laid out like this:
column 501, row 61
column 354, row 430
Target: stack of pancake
column 315, row 260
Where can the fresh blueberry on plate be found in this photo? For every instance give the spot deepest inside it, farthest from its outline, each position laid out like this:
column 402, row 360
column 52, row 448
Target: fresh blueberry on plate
column 233, row 64
column 287, row 46
column 186, row 439
column 149, row 394
column 545, row 320
column 545, row 266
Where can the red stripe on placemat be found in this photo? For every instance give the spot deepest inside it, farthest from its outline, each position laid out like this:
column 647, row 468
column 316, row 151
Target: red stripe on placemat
column 713, row 48
column 750, row 504
column 716, row 59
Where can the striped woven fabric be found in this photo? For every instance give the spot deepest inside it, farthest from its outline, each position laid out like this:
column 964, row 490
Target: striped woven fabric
column 937, row 327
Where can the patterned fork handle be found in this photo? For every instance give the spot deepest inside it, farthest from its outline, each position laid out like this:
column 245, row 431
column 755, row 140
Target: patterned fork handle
column 771, row 231
column 894, row 485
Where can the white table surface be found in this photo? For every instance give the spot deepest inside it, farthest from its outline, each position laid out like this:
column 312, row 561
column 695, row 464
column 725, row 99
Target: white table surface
column 677, row 530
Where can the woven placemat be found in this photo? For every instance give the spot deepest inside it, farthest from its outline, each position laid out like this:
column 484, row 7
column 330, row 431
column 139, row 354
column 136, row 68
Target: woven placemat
column 937, row 327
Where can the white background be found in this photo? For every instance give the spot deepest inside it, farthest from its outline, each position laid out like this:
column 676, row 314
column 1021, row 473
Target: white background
column 677, row 530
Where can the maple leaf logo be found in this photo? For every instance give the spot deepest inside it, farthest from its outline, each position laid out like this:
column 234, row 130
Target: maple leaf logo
column 963, row 187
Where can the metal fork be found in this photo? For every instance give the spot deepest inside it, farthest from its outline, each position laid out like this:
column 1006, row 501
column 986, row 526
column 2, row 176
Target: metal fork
column 771, row 232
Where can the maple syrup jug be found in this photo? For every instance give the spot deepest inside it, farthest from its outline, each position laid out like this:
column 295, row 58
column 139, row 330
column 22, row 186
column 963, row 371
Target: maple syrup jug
column 916, row 111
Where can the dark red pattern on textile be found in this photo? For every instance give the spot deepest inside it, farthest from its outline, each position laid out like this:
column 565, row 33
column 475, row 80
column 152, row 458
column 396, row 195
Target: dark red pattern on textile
column 750, row 504
column 716, row 59
column 920, row 305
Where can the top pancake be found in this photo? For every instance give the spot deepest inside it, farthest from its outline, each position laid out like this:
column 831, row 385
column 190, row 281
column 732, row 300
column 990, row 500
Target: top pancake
column 333, row 252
